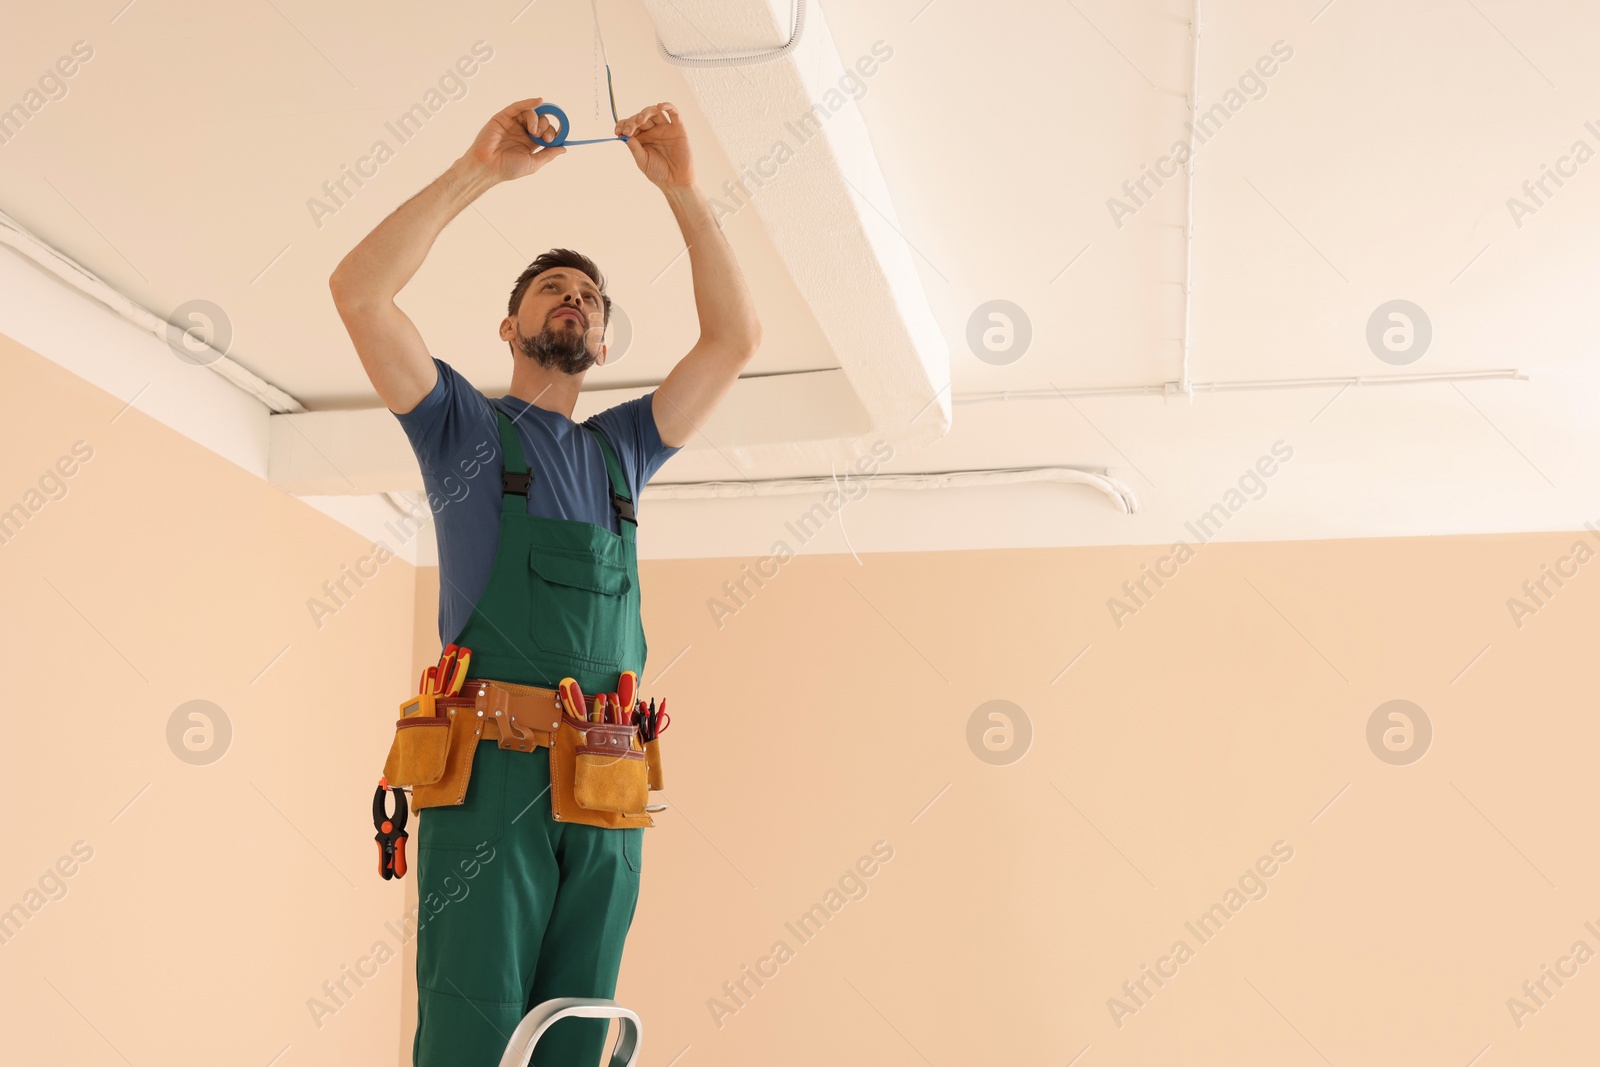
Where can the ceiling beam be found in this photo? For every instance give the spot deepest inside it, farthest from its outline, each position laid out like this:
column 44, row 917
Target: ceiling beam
column 338, row 453
column 805, row 163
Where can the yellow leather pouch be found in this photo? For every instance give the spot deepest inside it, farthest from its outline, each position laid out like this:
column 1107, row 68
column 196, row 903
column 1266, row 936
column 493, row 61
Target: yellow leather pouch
column 598, row 776
column 652, row 762
column 609, row 772
column 421, row 743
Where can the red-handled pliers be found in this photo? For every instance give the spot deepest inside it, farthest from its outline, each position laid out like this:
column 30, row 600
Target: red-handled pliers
column 391, row 835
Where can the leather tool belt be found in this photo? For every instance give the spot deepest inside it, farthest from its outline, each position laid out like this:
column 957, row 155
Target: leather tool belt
column 437, row 737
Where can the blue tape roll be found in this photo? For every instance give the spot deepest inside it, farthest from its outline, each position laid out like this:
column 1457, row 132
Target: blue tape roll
column 566, row 127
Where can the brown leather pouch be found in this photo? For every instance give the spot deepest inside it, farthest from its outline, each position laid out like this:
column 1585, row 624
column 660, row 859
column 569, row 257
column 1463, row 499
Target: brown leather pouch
column 466, row 728
column 598, row 775
column 609, row 771
column 421, row 743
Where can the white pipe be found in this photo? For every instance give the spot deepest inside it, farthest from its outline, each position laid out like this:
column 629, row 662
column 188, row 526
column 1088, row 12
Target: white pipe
column 14, row 235
column 1121, row 495
column 1243, row 384
column 1184, row 385
column 740, row 61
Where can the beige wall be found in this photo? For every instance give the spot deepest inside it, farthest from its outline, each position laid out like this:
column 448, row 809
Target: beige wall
column 829, row 713
column 1222, row 718
column 218, row 903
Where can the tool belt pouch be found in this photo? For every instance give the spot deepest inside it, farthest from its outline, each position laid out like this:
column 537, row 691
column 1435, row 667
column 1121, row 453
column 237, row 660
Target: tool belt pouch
column 652, row 762
column 565, row 807
column 421, row 743
column 609, row 772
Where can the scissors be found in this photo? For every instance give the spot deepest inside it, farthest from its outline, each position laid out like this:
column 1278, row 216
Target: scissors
column 657, row 721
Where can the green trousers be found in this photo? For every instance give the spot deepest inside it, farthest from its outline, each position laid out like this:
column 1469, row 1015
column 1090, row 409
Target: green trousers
column 516, row 909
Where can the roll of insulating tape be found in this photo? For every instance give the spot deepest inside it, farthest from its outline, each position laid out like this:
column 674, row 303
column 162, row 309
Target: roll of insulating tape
column 560, row 140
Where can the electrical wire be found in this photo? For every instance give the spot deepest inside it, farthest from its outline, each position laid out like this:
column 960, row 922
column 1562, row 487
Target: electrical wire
column 610, row 92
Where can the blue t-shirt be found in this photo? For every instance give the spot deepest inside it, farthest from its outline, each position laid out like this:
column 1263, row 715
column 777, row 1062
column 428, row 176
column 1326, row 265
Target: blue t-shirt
column 457, row 441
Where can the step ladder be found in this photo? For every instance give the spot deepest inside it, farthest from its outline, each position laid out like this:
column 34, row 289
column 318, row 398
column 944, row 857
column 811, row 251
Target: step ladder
column 519, row 1050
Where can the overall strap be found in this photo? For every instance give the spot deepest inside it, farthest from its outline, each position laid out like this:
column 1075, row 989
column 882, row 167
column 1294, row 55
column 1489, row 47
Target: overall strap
column 621, row 500
column 515, row 478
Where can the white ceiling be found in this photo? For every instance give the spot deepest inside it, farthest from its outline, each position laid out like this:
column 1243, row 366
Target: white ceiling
column 1376, row 166
column 181, row 162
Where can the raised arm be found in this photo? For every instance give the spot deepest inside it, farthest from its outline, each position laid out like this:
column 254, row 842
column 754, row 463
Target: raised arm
column 729, row 330
column 367, row 280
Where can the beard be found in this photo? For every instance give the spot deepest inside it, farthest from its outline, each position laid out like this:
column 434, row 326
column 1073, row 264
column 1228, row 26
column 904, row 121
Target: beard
column 558, row 348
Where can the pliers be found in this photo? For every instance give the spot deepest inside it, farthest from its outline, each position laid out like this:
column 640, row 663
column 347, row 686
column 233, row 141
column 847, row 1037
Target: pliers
column 391, row 835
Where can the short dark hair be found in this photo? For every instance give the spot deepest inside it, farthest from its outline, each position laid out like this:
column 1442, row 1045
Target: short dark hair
column 560, row 257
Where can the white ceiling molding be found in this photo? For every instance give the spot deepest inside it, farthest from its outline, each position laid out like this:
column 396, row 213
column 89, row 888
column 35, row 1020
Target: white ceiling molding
column 1189, row 389
column 198, row 351
column 70, row 317
column 54, row 317
column 1121, row 495
column 825, row 206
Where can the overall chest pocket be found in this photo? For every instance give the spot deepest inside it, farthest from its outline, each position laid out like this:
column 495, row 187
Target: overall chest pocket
column 580, row 599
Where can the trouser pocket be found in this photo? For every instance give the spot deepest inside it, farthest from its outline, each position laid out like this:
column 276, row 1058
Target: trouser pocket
column 633, row 848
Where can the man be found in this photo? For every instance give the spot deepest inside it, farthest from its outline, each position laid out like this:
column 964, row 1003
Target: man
column 537, row 576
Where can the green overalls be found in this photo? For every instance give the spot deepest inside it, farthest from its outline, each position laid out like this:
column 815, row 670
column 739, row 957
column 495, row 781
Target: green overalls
column 517, row 908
